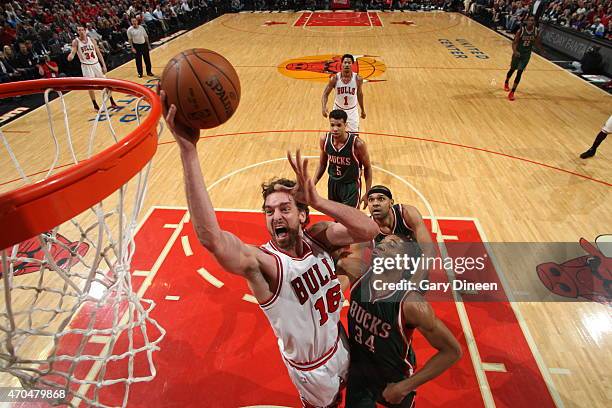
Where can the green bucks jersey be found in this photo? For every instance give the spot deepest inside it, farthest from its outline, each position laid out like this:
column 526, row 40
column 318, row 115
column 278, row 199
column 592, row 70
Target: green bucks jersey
column 399, row 226
column 342, row 164
column 527, row 40
column 380, row 341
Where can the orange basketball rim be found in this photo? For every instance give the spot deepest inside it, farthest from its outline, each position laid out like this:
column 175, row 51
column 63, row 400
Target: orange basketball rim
column 35, row 208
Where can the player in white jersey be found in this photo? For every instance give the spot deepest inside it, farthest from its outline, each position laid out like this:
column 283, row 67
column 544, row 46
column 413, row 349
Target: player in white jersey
column 92, row 60
column 601, row 136
column 292, row 276
column 348, row 86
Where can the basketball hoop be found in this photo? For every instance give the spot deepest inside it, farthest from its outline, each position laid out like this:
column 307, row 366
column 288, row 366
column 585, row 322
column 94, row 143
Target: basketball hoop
column 71, row 320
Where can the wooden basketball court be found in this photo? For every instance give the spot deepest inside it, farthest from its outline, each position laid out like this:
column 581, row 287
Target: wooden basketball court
column 442, row 135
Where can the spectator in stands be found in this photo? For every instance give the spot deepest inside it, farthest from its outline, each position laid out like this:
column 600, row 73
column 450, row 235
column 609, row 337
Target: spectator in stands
column 151, row 22
column 237, row 5
column 185, row 6
column 513, row 21
column 49, row 69
column 7, row 34
column 159, row 15
column 7, row 72
column 37, row 52
column 597, row 28
column 11, row 16
column 24, row 62
column 7, row 50
column 93, row 34
column 537, row 9
column 55, row 45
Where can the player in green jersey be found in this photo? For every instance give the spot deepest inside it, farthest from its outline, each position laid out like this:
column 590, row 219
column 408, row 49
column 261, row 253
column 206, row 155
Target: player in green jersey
column 523, row 43
column 381, row 322
column 345, row 156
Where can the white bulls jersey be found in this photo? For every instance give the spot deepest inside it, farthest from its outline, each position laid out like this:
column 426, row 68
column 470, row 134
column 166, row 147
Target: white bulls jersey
column 346, row 93
column 305, row 310
column 87, row 52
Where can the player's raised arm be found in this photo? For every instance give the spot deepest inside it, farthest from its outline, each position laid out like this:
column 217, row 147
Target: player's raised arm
column 73, row 50
column 538, row 39
column 330, row 86
column 515, row 42
column 360, row 96
column 419, row 314
column 364, row 157
column 233, row 255
column 352, row 225
column 414, row 220
column 322, row 160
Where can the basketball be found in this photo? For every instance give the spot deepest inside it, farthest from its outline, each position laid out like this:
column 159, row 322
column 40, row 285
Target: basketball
column 204, row 87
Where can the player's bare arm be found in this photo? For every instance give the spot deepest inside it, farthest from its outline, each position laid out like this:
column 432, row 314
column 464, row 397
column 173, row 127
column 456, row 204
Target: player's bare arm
column 414, row 220
column 73, row 50
column 352, row 262
column 364, row 157
column 360, row 96
column 419, row 314
column 351, row 225
column 322, row 160
column 516, row 41
column 232, row 254
column 100, row 56
column 330, row 86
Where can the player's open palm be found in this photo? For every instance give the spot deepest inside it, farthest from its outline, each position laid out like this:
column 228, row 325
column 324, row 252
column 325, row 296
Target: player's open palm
column 185, row 136
column 305, row 190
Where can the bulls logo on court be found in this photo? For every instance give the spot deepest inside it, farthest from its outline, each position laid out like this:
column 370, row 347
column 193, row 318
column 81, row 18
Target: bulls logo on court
column 588, row 276
column 319, row 67
column 63, row 252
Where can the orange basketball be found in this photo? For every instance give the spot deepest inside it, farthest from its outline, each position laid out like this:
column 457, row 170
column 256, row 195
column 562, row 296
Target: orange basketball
column 204, row 87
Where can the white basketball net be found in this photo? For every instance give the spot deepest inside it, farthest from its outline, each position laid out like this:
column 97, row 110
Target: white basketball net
column 71, row 319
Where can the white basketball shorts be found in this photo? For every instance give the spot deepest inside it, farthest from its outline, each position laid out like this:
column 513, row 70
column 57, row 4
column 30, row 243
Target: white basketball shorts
column 92, row 70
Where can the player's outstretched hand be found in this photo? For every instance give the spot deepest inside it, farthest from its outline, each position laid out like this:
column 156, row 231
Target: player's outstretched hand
column 325, row 112
column 363, row 200
column 394, row 393
column 363, row 115
column 184, row 135
column 305, row 190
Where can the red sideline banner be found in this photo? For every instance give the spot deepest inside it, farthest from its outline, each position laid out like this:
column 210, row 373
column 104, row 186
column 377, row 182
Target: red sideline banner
column 340, row 4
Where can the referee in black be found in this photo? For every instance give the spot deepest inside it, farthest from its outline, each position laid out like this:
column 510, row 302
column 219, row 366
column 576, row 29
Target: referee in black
column 139, row 41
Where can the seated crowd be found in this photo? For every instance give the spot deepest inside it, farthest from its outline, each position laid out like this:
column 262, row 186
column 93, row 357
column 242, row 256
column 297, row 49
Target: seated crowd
column 590, row 17
column 35, row 35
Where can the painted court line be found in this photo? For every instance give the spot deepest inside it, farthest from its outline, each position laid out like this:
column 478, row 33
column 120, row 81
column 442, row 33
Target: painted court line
column 141, row 273
column 521, row 320
column 209, row 278
column 249, row 298
column 97, row 366
column 559, row 371
column 450, row 237
column 186, row 245
column 421, row 139
column 162, row 257
column 99, row 339
column 497, row 367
